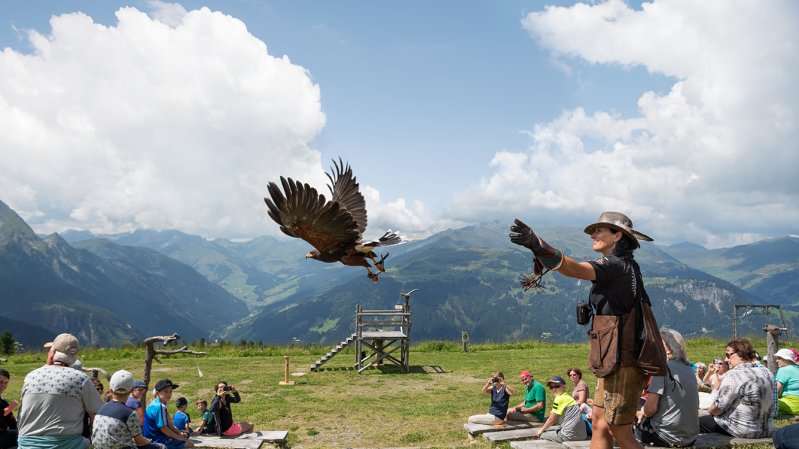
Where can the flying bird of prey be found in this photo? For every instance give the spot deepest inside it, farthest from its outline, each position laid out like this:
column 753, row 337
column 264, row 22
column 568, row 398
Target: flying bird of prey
column 334, row 228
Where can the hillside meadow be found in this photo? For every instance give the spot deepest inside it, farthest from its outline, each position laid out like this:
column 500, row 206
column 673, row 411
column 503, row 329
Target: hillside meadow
column 336, row 407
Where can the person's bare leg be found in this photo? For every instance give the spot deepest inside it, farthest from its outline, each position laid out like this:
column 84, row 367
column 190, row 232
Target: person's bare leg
column 601, row 438
column 246, row 427
column 625, row 437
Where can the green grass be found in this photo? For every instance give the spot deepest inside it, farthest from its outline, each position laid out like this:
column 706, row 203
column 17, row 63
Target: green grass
column 337, row 407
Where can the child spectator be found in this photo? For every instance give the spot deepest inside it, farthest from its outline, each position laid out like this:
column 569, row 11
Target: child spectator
column 181, row 418
column 566, row 413
column 157, row 423
column 134, row 401
column 207, row 422
column 8, row 424
column 116, row 426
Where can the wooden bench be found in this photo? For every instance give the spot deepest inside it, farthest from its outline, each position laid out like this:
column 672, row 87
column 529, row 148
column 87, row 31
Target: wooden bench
column 511, row 435
column 705, row 441
column 250, row 440
column 477, row 429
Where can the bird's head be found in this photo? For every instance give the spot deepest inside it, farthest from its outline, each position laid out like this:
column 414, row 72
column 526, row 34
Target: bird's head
column 313, row 254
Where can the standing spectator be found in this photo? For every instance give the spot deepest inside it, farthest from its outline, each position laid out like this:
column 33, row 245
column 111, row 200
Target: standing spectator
column 670, row 415
column 566, row 413
column 55, row 398
column 617, row 288
column 8, row 424
column 220, row 406
column 535, row 401
column 787, row 382
column 116, row 426
column 743, row 407
column 158, row 425
column 134, row 401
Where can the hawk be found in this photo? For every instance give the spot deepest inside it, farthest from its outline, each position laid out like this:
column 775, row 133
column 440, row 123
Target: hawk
column 334, row 228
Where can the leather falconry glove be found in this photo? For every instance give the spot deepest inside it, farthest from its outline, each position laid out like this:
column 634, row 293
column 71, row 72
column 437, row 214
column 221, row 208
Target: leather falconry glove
column 545, row 255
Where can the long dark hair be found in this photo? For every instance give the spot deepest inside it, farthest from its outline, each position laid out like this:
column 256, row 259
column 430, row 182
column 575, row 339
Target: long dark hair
column 624, row 248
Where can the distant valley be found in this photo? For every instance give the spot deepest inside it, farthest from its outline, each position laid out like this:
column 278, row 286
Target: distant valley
column 114, row 289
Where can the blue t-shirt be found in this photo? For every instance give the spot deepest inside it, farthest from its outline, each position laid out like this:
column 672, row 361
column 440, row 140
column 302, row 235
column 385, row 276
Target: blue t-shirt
column 499, row 402
column 155, row 417
column 133, row 403
column 181, row 420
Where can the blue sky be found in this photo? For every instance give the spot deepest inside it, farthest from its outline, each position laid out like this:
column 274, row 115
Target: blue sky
column 124, row 115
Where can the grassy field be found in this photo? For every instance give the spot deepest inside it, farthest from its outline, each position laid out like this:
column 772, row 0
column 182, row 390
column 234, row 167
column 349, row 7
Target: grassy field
column 336, row 407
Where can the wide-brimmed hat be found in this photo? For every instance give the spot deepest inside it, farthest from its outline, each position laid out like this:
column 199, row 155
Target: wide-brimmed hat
column 786, row 354
column 619, row 222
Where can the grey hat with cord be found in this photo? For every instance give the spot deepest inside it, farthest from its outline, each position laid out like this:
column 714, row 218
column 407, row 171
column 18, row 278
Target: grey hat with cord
column 619, row 222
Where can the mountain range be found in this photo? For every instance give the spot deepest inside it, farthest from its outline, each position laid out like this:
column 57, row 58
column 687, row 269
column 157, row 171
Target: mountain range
column 113, row 289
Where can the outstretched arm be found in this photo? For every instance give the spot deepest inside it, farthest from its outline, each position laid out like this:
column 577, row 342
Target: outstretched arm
column 579, row 270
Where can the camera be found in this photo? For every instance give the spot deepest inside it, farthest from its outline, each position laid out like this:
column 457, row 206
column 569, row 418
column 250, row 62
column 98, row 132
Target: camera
column 584, row 313
column 227, row 388
column 495, row 380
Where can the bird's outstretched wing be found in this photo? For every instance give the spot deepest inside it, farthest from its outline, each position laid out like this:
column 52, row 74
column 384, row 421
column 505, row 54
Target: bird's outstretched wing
column 303, row 213
column 345, row 189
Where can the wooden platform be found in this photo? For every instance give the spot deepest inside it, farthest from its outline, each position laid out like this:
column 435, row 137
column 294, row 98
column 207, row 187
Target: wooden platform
column 477, row 429
column 250, row 440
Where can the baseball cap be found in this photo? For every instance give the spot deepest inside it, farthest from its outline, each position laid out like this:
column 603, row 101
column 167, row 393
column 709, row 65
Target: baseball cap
column 556, row 381
column 66, row 343
column 121, row 382
column 139, row 384
column 524, row 374
column 163, row 383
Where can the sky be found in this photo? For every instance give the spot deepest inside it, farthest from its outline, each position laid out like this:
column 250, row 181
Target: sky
column 116, row 116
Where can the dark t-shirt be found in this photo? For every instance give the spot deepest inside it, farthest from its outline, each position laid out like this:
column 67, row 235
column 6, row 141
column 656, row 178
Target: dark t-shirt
column 499, row 402
column 6, row 421
column 613, row 291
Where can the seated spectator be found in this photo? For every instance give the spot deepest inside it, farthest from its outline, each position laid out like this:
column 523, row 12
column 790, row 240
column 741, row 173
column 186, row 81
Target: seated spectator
column 8, row 424
column 716, row 373
column 786, row 437
column 670, row 415
column 220, row 406
column 181, row 418
column 158, row 425
column 566, row 413
column 116, row 426
column 134, row 401
column 743, row 405
column 701, row 372
column 500, row 398
column 207, row 421
column 580, row 392
column 535, row 400
column 787, row 382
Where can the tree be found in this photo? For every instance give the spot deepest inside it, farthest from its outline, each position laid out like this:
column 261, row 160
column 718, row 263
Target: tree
column 7, row 343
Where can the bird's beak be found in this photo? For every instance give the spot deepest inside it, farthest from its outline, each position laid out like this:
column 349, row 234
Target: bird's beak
column 309, row 255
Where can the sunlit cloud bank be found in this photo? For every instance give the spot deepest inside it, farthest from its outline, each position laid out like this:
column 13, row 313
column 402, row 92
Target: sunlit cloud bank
column 171, row 120
column 714, row 158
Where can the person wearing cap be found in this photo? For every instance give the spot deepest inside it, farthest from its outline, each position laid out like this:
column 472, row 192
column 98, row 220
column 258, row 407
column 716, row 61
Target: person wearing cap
column 566, row 413
column 500, row 398
column 8, row 424
column 158, row 426
column 787, row 382
column 670, row 415
column 616, row 278
column 535, row 401
column 134, row 401
column 54, row 399
column 116, row 426
column 181, row 418
column 743, row 407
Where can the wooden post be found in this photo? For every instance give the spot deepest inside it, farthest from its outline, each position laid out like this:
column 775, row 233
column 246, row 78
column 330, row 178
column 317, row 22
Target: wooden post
column 772, row 344
column 152, row 353
column 286, row 380
column 465, row 340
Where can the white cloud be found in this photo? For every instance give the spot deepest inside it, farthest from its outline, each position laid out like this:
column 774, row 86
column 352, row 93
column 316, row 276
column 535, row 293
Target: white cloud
column 715, row 156
column 171, row 121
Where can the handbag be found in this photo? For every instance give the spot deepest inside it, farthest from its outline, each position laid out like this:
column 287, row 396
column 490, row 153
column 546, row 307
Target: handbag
column 652, row 359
